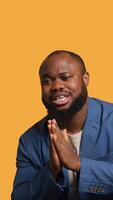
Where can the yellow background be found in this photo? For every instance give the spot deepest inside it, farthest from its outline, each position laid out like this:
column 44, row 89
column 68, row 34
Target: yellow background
column 29, row 31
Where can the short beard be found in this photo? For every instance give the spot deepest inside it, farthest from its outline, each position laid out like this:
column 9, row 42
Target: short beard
column 76, row 106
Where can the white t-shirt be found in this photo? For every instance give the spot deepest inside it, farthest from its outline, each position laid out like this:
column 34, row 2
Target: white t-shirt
column 73, row 193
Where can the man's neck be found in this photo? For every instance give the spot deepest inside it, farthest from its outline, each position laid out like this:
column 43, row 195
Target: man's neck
column 75, row 123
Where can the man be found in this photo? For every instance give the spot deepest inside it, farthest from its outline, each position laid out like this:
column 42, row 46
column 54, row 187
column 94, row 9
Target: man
column 68, row 155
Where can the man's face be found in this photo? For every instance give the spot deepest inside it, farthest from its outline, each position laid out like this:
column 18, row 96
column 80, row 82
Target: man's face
column 63, row 85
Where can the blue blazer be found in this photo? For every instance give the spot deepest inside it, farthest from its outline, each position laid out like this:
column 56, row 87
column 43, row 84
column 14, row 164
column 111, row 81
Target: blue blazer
column 33, row 180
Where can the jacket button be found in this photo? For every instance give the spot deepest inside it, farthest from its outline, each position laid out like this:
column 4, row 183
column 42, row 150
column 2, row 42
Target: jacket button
column 96, row 189
column 102, row 189
column 90, row 188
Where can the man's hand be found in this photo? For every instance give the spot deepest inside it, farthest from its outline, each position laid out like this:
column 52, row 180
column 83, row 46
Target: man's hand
column 65, row 152
column 54, row 163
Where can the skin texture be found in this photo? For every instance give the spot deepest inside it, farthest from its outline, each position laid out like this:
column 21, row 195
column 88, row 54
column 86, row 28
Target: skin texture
column 61, row 75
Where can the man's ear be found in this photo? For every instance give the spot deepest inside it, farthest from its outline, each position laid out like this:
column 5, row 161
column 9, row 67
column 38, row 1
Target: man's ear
column 86, row 78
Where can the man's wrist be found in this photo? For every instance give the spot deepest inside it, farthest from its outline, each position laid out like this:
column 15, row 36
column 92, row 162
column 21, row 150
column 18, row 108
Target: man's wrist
column 54, row 171
column 77, row 164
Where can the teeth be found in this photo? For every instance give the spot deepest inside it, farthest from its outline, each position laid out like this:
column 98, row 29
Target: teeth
column 60, row 100
column 60, row 97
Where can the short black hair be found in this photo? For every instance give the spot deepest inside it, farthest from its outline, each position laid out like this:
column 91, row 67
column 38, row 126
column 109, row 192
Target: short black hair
column 72, row 54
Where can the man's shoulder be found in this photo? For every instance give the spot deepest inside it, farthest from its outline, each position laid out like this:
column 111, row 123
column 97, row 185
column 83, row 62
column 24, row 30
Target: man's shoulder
column 100, row 102
column 99, row 110
column 38, row 130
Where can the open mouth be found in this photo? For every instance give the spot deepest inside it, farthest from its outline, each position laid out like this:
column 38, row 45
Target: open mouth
column 61, row 100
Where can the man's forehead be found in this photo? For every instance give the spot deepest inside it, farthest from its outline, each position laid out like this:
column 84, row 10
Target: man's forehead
column 59, row 62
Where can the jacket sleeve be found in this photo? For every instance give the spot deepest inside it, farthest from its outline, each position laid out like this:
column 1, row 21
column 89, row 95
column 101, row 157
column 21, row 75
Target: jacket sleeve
column 96, row 176
column 33, row 183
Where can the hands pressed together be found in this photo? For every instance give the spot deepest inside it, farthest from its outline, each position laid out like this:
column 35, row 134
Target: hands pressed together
column 62, row 153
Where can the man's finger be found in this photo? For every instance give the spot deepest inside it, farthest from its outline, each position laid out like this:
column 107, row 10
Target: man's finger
column 64, row 132
column 55, row 128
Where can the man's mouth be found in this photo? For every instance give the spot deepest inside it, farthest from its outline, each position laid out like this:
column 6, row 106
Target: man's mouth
column 60, row 100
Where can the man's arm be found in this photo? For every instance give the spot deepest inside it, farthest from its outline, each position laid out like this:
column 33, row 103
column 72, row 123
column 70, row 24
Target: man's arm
column 34, row 182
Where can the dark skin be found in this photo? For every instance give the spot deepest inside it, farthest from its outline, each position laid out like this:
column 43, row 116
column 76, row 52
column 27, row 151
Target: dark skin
column 61, row 75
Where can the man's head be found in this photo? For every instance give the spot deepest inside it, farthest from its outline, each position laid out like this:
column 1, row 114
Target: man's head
column 64, row 83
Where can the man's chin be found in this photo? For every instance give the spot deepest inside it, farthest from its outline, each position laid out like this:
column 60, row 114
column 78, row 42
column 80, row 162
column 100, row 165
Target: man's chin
column 58, row 113
column 63, row 112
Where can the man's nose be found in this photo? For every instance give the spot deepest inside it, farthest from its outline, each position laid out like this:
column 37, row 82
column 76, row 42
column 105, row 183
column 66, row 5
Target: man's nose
column 57, row 85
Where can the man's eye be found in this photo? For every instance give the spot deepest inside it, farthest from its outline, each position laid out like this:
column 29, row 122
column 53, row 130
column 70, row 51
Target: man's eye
column 66, row 78
column 47, row 81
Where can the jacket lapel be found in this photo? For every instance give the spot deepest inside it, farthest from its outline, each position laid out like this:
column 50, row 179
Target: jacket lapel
column 91, row 129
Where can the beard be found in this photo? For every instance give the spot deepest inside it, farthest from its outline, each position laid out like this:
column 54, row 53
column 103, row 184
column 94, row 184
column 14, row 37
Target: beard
column 76, row 106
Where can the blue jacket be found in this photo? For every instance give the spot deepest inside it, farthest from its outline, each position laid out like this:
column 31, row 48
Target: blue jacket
column 33, row 181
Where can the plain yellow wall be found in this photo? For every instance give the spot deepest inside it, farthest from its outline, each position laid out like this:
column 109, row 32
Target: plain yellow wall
column 30, row 30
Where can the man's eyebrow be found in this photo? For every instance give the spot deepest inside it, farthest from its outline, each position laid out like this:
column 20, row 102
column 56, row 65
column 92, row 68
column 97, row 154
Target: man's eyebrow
column 50, row 76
